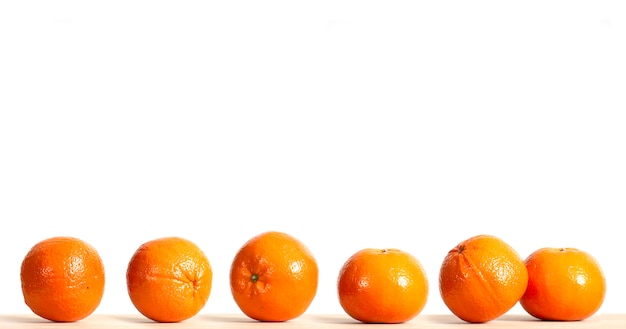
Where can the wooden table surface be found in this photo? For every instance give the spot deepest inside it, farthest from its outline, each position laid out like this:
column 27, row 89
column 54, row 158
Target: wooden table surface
column 207, row 321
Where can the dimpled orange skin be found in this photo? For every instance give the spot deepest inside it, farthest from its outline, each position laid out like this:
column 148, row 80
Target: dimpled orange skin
column 62, row 279
column 482, row 278
column 169, row 279
column 273, row 277
column 382, row 286
column 564, row 284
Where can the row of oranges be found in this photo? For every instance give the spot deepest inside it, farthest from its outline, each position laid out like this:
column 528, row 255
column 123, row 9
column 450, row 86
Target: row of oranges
column 274, row 277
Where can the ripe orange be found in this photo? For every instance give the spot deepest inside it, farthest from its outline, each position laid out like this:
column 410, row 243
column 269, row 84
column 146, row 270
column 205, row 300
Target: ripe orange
column 482, row 278
column 62, row 279
column 382, row 286
column 564, row 284
column 169, row 279
column 273, row 277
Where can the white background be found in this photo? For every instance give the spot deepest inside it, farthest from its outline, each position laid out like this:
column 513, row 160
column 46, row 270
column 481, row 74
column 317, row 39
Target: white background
column 348, row 124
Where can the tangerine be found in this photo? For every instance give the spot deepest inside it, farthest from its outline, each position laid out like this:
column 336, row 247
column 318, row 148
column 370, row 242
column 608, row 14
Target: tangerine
column 482, row 278
column 273, row 277
column 382, row 286
column 169, row 279
column 564, row 284
column 62, row 279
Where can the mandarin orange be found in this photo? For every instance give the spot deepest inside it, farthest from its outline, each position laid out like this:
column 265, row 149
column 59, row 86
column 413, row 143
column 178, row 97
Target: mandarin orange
column 482, row 278
column 564, row 284
column 62, row 279
column 382, row 286
column 273, row 277
column 169, row 279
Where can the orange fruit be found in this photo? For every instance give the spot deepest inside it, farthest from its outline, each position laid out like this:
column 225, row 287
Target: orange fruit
column 382, row 286
column 169, row 279
column 482, row 278
column 564, row 284
column 273, row 277
column 62, row 279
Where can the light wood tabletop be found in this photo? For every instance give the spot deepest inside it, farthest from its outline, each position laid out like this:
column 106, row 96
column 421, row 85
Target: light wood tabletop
column 205, row 321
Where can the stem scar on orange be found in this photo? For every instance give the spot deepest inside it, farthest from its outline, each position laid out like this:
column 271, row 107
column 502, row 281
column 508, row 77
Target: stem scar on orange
column 169, row 279
column 564, row 284
column 62, row 279
column 382, row 286
column 273, row 277
column 482, row 278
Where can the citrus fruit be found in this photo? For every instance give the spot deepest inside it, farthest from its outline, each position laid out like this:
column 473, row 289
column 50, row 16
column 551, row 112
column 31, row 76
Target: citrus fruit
column 169, row 279
column 382, row 286
column 565, row 284
column 62, row 279
column 482, row 278
column 273, row 277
